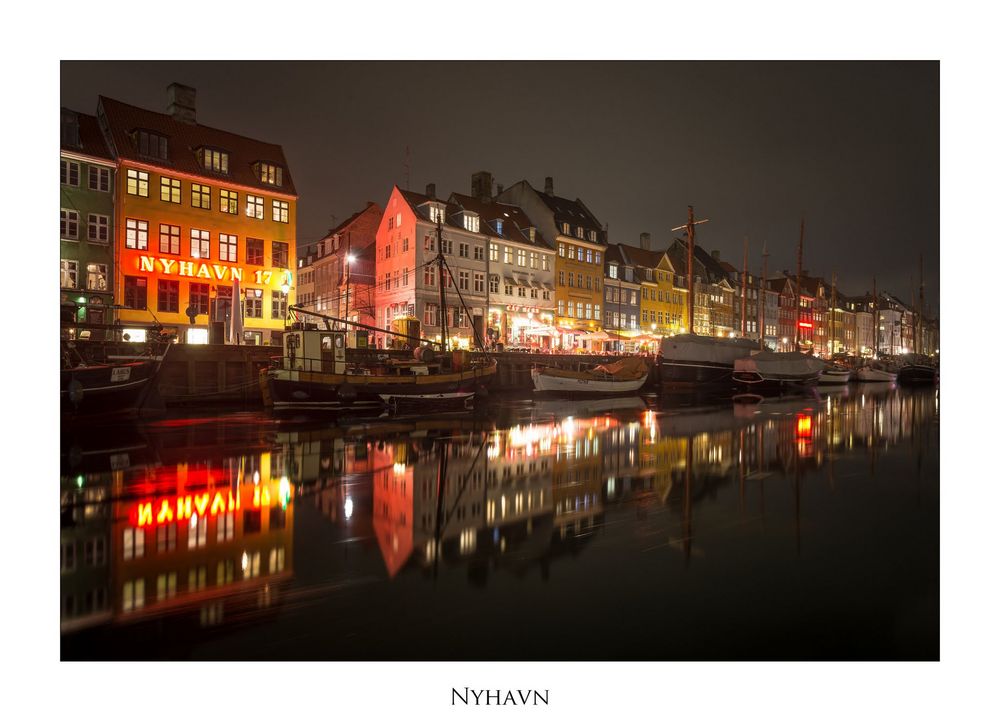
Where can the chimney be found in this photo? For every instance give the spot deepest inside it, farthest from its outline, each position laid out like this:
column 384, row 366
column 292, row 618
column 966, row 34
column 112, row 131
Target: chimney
column 69, row 128
column 430, row 191
column 715, row 255
column 499, row 189
column 645, row 240
column 548, row 186
column 482, row 185
column 180, row 103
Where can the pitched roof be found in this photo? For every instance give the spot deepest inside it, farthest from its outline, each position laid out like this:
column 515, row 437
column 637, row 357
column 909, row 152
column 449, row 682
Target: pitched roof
column 183, row 141
column 91, row 139
column 492, row 210
column 571, row 211
column 643, row 258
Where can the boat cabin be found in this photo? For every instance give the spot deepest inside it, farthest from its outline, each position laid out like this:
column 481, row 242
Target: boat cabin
column 320, row 351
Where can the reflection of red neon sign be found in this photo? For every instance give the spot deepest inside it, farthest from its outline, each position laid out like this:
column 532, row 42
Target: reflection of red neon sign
column 164, row 510
column 804, row 427
column 803, row 324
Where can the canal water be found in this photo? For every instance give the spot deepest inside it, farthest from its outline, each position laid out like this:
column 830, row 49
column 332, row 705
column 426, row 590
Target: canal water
column 656, row 528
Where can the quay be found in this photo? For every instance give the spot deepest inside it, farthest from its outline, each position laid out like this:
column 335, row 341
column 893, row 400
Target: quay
column 228, row 375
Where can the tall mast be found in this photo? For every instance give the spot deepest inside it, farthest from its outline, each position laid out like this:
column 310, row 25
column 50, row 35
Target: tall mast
column 689, row 228
column 878, row 325
column 798, row 289
column 743, row 305
column 920, row 316
column 833, row 316
column 763, row 300
column 444, row 310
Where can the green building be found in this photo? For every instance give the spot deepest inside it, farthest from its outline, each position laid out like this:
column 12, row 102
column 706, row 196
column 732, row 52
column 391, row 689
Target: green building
column 86, row 227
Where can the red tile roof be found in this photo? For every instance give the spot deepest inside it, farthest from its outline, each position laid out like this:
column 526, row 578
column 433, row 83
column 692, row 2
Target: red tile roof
column 183, row 142
column 516, row 231
column 91, row 139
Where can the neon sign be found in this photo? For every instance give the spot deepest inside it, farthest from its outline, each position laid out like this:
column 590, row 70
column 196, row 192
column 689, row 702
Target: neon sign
column 164, row 510
column 187, row 268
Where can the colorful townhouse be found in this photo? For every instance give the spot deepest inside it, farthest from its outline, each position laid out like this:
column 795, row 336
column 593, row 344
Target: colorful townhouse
column 622, row 310
column 204, row 228
column 580, row 242
column 86, row 226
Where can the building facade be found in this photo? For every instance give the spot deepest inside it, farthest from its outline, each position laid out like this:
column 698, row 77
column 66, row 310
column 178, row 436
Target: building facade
column 203, row 215
column 580, row 243
column 621, row 301
column 86, row 226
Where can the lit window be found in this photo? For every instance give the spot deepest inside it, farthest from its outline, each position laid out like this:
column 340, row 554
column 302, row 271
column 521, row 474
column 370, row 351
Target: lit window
column 215, row 160
column 472, row 222
column 68, row 273
column 228, row 201
column 201, row 196
column 279, row 211
column 270, row 174
column 170, row 190
column 200, row 244
column 255, row 206
column 69, row 224
column 170, row 239
column 227, row 248
column 97, row 276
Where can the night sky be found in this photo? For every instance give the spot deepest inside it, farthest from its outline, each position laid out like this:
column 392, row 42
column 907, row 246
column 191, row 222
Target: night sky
column 852, row 147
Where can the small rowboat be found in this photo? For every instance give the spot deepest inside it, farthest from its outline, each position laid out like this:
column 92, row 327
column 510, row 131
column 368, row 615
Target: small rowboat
column 626, row 375
column 834, row 376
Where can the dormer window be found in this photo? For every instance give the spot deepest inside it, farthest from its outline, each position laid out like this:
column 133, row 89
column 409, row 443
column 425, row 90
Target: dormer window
column 531, row 233
column 499, row 226
column 579, row 232
column 269, row 173
column 215, row 160
column 613, row 271
column 471, row 222
column 565, row 227
column 151, row 144
column 436, row 214
column 592, row 236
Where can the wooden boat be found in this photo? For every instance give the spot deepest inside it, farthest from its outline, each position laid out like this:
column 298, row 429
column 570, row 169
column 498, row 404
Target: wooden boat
column 103, row 390
column 917, row 370
column 698, row 359
column 877, row 372
column 834, row 375
column 625, row 375
column 777, row 370
column 313, row 375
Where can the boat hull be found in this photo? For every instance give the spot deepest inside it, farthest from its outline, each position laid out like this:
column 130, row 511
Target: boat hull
column 917, row 375
column 834, row 378
column 703, row 373
column 695, row 360
column 875, row 375
column 104, row 391
column 559, row 384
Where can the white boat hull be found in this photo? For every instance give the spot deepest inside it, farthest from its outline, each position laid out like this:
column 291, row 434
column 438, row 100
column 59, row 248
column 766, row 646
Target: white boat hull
column 874, row 375
column 560, row 384
column 834, row 377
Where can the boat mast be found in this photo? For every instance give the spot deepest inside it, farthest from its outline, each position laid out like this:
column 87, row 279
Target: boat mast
column 444, row 310
column 833, row 316
column 798, row 290
column 763, row 300
column 919, row 346
column 689, row 229
column 743, row 305
column 878, row 325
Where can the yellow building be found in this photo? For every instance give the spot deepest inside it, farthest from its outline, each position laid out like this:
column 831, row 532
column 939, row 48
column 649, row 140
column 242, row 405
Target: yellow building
column 662, row 301
column 201, row 215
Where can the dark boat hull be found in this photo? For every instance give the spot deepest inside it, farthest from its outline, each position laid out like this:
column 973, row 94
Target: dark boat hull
column 104, row 391
column 753, row 381
column 695, row 373
column 917, row 375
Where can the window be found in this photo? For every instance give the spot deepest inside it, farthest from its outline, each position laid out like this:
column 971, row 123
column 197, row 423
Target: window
column 508, row 290
column 579, row 254
column 613, row 271
column 97, row 276
column 166, row 586
column 430, row 314
column 428, row 243
column 201, row 196
column 270, row 174
column 135, row 293
column 279, row 211
column 560, row 306
column 197, row 532
column 478, row 252
column 494, row 283
column 520, row 291
column 579, row 310
column 137, row 182
column 565, row 227
column 68, row 271
column 279, row 305
column 133, row 543
column 588, row 310
column 406, row 244
column 200, row 244
column 592, row 236
column 198, row 297
column 255, row 206
column 508, row 255
column 480, row 282
column 579, row 232
column 166, row 537
column 387, row 281
column 254, row 303
column 590, row 256
column 521, row 258
column 227, row 248
column 93, row 552
column 69, row 173
column 215, row 160
column 471, row 222
column 463, row 280
column 134, row 595
column 170, row 190
column 152, row 145
column 406, row 277
column 463, row 249
column 429, row 277
column 446, row 246
column 168, row 296
column 228, row 201
column 436, row 214
column 225, row 528
column 562, row 250
column 597, row 258
column 69, row 224
column 170, row 239
column 255, row 251
column 279, row 254
column 494, row 252
column 99, row 179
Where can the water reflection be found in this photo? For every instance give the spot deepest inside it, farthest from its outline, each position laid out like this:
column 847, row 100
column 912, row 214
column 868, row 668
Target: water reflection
column 192, row 524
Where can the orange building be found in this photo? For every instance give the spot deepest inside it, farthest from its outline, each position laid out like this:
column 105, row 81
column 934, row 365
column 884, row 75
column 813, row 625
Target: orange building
column 201, row 215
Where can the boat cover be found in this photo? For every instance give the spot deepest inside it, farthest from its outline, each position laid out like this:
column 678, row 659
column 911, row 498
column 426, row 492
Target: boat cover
column 769, row 363
column 703, row 349
column 623, row 369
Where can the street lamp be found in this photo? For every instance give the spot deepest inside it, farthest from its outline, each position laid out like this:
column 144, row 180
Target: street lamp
column 347, row 293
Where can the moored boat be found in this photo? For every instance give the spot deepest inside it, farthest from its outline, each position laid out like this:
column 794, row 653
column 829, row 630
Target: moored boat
column 877, row 372
column 102, row 390
column 625, row 375
column 698, row 359
column 833, row 375
column 313, row 375
column 917, row 370
column 776, row 370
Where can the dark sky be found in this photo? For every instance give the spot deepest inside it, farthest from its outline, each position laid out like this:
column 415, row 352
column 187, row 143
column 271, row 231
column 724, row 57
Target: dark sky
column 852, row 147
